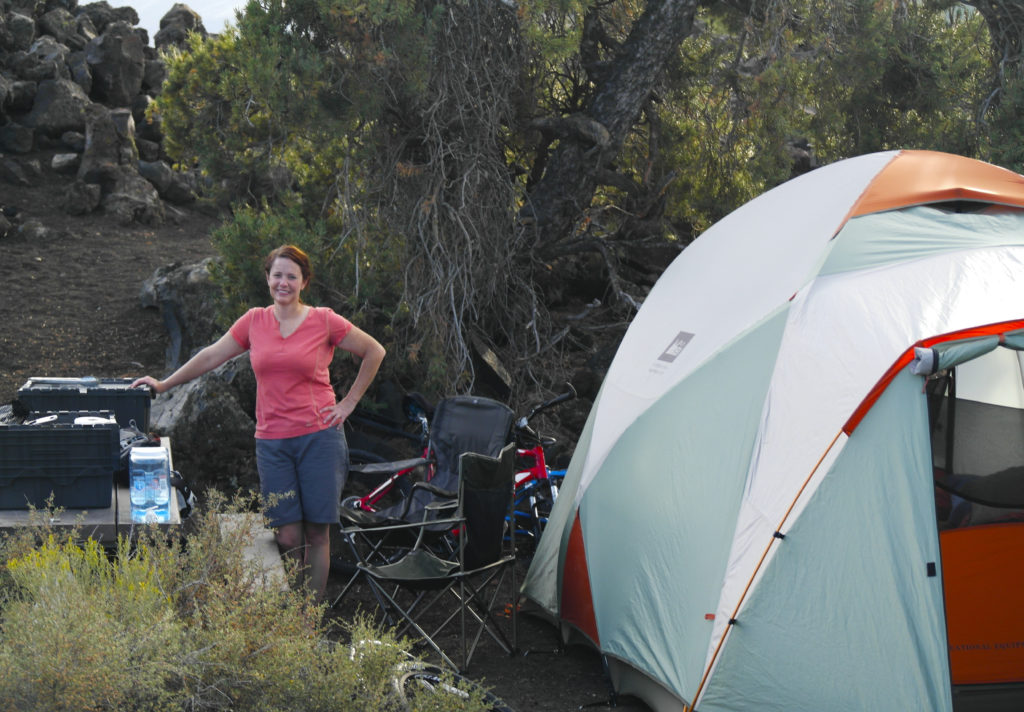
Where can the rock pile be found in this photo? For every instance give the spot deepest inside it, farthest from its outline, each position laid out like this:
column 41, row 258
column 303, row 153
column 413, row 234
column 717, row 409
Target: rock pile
column 77, row 83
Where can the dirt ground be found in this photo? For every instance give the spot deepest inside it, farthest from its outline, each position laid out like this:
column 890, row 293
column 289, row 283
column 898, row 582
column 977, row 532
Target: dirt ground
column 543, row 676
column 71, row 308
column 71, row 290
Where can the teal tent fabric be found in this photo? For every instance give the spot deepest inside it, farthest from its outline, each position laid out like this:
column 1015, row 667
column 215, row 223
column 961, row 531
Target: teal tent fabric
column 854, row 591
column 1014, row 340
column 686, row 467
column 949, row 354
column 914, row 233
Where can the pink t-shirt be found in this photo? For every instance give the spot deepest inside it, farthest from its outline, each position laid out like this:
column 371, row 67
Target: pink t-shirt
column 292, row 377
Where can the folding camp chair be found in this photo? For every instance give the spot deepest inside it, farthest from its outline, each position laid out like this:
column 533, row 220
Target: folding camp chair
column 460, row 424
column 480, row 562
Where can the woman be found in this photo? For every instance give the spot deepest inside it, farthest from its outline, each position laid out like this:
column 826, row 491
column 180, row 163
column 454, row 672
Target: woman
column 301, row 453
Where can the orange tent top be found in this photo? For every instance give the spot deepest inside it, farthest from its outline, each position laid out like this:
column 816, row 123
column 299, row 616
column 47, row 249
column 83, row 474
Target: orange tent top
column 919, row 177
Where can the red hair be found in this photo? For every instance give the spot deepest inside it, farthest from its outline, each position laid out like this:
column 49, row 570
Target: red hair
column 293, row 253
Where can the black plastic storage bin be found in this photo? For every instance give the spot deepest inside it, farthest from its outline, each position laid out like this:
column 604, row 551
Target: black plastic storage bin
column 48, row 395
column 74, row 462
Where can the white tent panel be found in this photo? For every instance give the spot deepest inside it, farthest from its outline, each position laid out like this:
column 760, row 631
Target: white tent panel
column 743, row 269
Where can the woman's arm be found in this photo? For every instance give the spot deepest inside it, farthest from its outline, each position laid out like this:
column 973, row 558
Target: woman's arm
column 371, row 353
column 203, row 362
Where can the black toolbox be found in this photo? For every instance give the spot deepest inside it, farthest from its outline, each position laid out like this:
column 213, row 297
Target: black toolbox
column 71, row 455
column 47, row 395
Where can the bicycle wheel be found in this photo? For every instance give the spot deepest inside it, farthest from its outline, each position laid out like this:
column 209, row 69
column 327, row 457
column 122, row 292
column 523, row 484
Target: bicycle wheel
column 546, row 496
column 429, row 679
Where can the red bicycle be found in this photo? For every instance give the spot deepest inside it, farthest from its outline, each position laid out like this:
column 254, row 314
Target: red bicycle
column 536, row 484
column 397, row 483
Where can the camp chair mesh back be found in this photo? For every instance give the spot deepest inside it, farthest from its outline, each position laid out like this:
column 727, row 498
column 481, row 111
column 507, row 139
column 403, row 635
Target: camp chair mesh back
column 484, row 501
column 486, row 492
column 460, row 424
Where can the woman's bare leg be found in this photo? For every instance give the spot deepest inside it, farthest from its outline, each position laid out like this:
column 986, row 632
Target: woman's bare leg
column 292, row 545
column 318, row 556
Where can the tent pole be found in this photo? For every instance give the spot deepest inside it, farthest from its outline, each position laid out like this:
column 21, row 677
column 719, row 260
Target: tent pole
column 764, row 555
column 950, row 421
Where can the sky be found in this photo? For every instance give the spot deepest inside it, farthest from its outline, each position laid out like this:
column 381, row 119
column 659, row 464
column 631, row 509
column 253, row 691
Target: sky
column 215, row 13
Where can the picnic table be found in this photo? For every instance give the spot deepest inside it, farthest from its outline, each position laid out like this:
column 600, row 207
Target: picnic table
column 103, row 524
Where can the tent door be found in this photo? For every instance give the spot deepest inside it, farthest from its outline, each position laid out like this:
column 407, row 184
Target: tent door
column 977, row 422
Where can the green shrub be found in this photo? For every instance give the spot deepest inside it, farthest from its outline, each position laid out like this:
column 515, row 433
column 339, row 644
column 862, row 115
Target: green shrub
column 179, row 624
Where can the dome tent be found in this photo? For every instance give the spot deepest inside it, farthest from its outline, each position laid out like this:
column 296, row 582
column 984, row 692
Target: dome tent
column 749, row 520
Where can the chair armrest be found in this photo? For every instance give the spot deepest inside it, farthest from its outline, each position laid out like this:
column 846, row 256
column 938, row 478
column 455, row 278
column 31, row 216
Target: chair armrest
column 447, row 494
column 405, row 526
column 386, row 468
column 434, row 489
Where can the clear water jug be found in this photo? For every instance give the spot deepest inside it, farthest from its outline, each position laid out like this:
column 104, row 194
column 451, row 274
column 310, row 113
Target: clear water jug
column 150, row 484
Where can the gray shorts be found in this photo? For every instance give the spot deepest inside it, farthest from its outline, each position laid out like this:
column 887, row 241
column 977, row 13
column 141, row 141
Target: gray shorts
column 307, row 473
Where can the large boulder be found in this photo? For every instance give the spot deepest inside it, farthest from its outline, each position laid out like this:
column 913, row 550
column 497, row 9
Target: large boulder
column 210, row 431
column 176, row 25
column 22, row 96
column 133, row 199
column 62, row 26
column 210, row 420
column 101, row 14
column 15, row 138
column 156, row 172
column 173, row 186
column 183, row 189
column 45, row 59
column 154, row 75
column 82, row 198
column 118, row 64
column 81, row 72
column 85, row 29
column 110, row 160
column 74, row 140
column 60, row 105
column 20, row 32
column 187, row 299
column 106, row 147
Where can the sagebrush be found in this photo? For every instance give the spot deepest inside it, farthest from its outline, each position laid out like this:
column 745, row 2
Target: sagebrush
column 163, row 624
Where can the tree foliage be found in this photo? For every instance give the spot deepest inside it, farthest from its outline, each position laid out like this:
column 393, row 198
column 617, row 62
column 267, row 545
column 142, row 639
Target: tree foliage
column 510, row 177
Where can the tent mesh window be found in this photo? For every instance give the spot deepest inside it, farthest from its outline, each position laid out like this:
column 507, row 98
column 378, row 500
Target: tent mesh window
column 977, row 452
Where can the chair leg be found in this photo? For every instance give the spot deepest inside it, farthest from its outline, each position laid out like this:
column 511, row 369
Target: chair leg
column 375, row 548
column 483, row 615
column 479, row 607
column 345, row 589
column 411, row 623
column 473, row 598
column 353, row 578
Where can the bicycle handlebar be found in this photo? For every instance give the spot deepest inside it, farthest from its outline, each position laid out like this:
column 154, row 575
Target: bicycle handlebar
column 523, row 422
